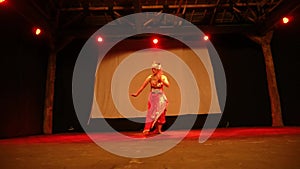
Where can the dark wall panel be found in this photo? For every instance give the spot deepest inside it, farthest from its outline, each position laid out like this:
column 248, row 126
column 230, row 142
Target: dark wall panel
column 64, row 116
column 23, row 68
column 247, row 101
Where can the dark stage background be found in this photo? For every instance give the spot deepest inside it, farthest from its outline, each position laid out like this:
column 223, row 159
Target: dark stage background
column 24, row 64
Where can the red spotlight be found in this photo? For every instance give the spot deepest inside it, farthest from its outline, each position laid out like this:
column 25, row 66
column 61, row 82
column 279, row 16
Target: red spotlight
column 206, row 37
column 100, row 39
column 155, row 41
column 285, row 20
column 1, row 1
column 37, row 31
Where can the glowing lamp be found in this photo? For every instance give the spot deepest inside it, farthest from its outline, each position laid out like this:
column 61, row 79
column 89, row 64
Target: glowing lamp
column 155, row 41
column 37, row 31
column 285, row 20
column 100, row 39
column 205, row 37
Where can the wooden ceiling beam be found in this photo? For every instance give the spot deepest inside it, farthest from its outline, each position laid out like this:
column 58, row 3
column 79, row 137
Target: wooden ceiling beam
column 158, row 7
column 30, row 13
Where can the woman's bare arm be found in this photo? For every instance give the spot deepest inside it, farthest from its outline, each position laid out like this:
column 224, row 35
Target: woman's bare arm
column 165, row 81
column 142, row 87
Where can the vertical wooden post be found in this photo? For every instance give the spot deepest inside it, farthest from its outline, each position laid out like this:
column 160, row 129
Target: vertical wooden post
column 272, row 83
column 264, row 42
column 49, row 95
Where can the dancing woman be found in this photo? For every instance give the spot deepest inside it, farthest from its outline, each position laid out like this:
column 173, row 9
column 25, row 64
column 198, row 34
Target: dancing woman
column 157, row 100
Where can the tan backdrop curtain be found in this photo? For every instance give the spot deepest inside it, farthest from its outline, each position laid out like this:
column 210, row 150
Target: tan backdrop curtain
column 123, row 70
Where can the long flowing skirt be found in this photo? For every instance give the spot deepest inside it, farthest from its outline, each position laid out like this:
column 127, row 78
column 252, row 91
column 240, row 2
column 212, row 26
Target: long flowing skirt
column 157, row 104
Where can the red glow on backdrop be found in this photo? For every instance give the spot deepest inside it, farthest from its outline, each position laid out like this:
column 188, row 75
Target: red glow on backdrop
column 1, row 1
column 155, row 41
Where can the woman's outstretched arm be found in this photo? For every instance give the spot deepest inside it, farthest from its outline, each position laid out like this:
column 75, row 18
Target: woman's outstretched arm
column 142, row 87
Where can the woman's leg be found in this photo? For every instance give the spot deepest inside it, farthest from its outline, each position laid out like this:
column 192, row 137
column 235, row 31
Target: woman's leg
column 159, row 124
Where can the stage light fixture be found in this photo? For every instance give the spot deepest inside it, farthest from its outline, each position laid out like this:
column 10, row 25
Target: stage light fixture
column 100, row 39
column 37, row 31
column 155, row 41
column 206, row 37
column 285, row 20
column 1, row 1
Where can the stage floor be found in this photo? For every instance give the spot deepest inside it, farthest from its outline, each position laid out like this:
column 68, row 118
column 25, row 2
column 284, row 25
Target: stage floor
column 227, row 148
